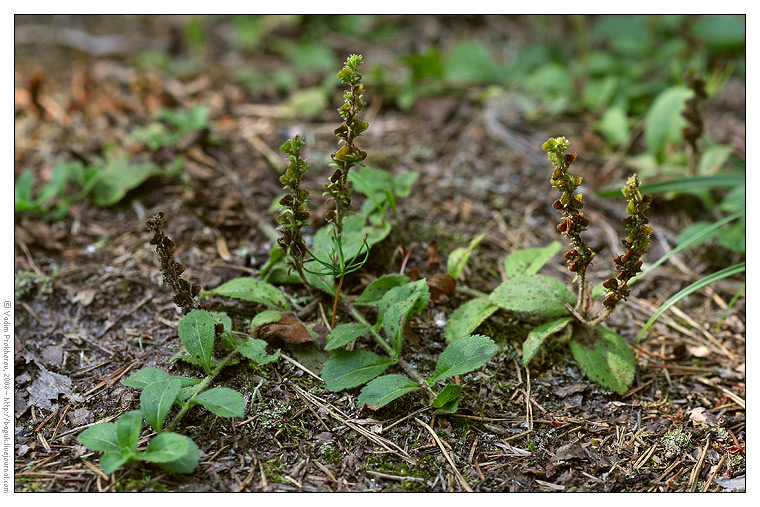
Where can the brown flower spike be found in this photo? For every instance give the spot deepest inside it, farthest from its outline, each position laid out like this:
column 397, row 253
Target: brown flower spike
column 636, row 243
column 570, row 204
column 184, row 291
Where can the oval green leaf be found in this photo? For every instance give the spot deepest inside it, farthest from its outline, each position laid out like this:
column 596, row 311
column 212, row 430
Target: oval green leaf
column 528, row 261
column 251, row 289
column 344, row 334
column 222, row 401
column 537, row 294
column 196, row 330
column 347, row 369
column 605, row 357
column 373, row 294
column 466, row 319
column 384, row 390
column 538, row 335
column 165, row 448
column 157, row 399
column 464, row 355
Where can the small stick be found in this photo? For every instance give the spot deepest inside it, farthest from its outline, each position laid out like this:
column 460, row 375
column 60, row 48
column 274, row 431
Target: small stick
column 462, row 482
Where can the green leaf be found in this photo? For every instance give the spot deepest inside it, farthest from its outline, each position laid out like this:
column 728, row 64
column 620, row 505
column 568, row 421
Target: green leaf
column 689, row 184
column 664, row 120
column 395, row 317
column 251, row 289
column 112, row 461
column 466, row 319
column 187, row 462
column 222, row 401
column 613, row 125
column 714, row 277
column 458, row 258
column 384, row 390
column 605, row 357
column 373, row 294
column 165, row 448
column 402, row 183
column 101, row 437
column 537, row 294
column 537, row 336
column 118, row 177
column 266, row 317
column 22, row 192
column 529, row 261
column 714, row 158
column 157, row 399
column 469, row 61
column 142, row 378
column 256, row 350
column 347, row 369
column 697, row 237
column 196, row 330
column 128, row 429
column 344, row 334
column 448, row 394
column 397, row 294
column 464, row 355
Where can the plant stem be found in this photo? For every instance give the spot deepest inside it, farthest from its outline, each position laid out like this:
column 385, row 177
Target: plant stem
column 358, row 316
column 203, row 384
column 335, row 302
column 406, row 366
column 413, row 373
column 579, row 304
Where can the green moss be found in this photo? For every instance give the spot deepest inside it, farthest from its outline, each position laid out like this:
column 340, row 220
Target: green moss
column 331, row 454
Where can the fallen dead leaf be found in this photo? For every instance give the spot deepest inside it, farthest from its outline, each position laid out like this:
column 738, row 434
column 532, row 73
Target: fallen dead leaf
column 289, row 329
column 441, row 284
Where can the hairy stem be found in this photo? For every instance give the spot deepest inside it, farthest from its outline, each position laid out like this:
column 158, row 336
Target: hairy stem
column 201, row 387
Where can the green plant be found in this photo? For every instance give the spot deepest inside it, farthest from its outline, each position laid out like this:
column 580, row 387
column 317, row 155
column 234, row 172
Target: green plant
column 172, row 127
column 106, row 181
column 201, row 332
column 602, row 353
column 397, row 300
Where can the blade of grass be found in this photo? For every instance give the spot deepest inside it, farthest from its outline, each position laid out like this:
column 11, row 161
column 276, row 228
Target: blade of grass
column 687, row 243
column 684, row 184
column 723, row 273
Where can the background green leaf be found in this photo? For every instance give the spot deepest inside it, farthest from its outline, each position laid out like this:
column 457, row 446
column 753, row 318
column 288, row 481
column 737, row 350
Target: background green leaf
column 112, row 461
column 256, row 350
column 605, row 357
column 384, row 390
column 465, row 319
column 251, row 289
column 101, row 437
column 537, row 294
column 165, row 448
column 347, row 369
column 222, row 401
column 458, row 258
column 196, row 330
column 157, row 399
column 529, row 261
column 344, row 334
column 128, row 429
column 537, row 336
column 464, row 355
column 373, row 294
column 664, row 121
column 396, row 316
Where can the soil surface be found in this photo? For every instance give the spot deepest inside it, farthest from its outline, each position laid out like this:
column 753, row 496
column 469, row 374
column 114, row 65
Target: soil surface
column 90, row 307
